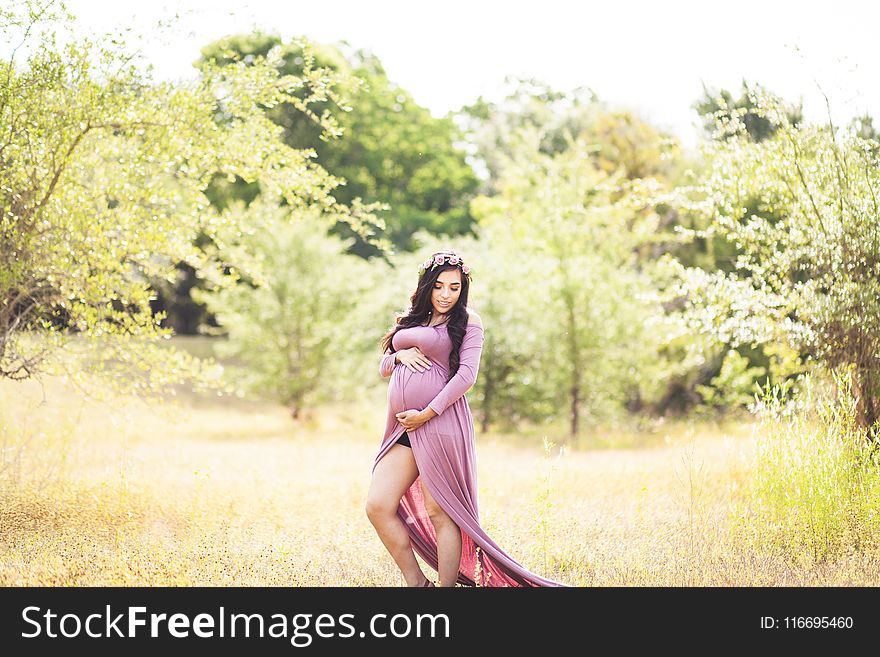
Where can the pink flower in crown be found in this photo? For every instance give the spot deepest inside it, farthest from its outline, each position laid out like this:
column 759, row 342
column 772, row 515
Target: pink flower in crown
column 438, row 259
column 427, row 263
column 465, row 269
column 453, row 260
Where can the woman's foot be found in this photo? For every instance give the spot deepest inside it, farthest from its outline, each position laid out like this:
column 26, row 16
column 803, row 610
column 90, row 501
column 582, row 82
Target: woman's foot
column 425, row 583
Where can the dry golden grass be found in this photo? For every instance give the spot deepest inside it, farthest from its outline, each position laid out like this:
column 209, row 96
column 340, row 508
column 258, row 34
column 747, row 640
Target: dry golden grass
column 233, row 493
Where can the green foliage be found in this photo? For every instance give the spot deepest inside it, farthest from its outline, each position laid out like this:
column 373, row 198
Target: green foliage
column 617, row 140
column 102, row 188
column 715, row 108
column 734, row 386
column 393, row 150
column 295, row 325
column 801, row 206
column 625, row 148
column 562, row 266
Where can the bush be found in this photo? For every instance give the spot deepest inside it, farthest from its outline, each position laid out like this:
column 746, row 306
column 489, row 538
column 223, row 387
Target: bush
column 815, row 494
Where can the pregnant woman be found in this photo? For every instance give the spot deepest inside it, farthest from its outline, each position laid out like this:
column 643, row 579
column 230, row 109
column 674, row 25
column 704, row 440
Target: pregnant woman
column 423, row 494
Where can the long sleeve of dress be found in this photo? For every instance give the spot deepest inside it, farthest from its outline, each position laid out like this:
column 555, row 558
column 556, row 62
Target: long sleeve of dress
column 469, row 365
column 387, row 364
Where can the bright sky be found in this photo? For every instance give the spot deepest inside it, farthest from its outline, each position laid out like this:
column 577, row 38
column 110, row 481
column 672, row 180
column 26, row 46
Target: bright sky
column 649, row 56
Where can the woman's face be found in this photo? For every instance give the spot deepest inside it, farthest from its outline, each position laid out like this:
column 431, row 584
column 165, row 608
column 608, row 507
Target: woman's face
column 446, row 291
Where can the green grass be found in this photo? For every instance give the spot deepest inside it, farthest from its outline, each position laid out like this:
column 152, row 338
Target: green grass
column 815, row 496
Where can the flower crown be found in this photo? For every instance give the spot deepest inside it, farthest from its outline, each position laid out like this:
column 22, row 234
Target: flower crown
column 440, row 258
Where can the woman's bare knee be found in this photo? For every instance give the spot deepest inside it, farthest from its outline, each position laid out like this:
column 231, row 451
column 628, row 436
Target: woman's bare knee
column 379, row 509
column 439, row 517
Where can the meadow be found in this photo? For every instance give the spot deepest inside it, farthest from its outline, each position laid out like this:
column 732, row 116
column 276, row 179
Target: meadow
column 615, row 271
column 202, row 491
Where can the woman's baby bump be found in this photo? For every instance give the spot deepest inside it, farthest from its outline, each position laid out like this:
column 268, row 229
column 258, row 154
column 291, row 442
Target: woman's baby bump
column 408, row 389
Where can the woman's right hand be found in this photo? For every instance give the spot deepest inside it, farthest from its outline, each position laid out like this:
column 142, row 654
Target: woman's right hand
column 414, row 359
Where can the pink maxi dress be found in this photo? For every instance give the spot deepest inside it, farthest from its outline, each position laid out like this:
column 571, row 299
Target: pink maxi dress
column 444, row 451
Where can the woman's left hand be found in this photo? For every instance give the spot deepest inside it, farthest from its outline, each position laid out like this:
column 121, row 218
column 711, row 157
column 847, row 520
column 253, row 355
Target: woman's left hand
column 411, row 419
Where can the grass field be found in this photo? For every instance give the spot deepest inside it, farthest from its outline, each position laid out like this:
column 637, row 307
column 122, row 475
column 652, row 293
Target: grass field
column 224, row 492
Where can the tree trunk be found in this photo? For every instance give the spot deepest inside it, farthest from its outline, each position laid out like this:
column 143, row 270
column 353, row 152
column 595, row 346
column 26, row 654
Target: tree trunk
column 864, row 388
column 575, row 406
column 575, row 358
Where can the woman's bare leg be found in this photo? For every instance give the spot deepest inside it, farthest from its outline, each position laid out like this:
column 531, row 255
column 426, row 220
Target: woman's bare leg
column 393, row 475
column 448, row 540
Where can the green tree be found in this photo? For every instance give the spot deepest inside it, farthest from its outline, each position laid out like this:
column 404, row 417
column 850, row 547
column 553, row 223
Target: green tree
column 566, row 233
column 617, row 139
column 393, row 150
column 719, row 108
column 297, row 323
column 802, row 207
column 702, row 364
column 103, row 188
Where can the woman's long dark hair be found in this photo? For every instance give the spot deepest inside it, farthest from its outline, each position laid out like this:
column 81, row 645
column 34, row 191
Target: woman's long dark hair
column 421, row 309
